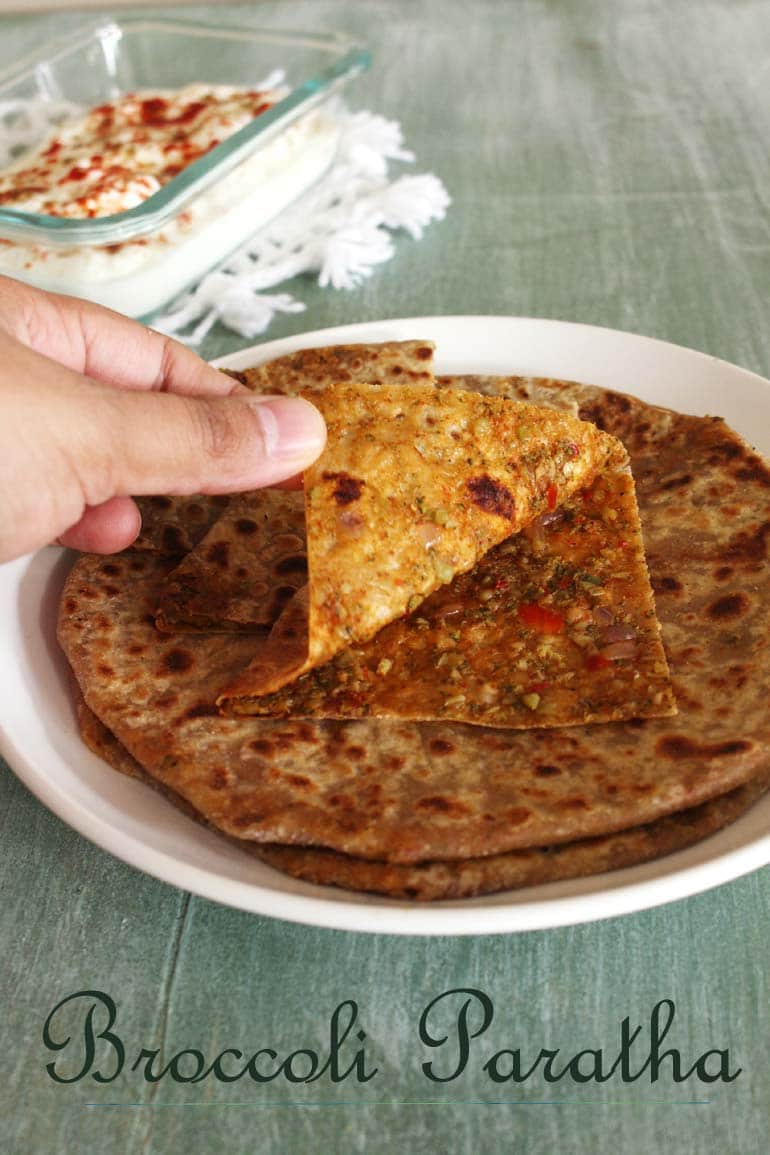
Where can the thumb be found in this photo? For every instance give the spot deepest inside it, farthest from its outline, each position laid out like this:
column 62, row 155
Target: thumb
column 166, row 443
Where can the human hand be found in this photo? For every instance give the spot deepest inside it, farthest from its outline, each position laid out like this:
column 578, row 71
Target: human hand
column 95, row 407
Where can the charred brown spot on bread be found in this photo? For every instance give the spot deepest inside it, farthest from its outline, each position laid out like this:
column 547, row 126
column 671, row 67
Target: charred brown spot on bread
column 219, row 778
column 246, row 526
column 751, row 547
column 296, row 564
column 722, row 573
column 173, row 540
column 722, row 451
column 680, row 746
column 424, row 353
column 347, row 489
column 517, row 815
column 738, row 746
column 547, row 771
column 612, row 408
column 262, row 746
column 439, row 804
column 202, row 710
column 219, row 553
column 756, row 471
column 160, row 502
column 340, row 801
column 251, row 818
column 441, row 746
column 665, row 584
column 300, row 781
column 281, row 594
column 492, row 496
column 574, row 803
column 728, row 607
column 178, row 660
column 111, row 569
column 676, row 482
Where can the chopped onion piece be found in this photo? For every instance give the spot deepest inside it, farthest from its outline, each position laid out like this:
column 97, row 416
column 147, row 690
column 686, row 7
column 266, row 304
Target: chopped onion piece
column 620, row 651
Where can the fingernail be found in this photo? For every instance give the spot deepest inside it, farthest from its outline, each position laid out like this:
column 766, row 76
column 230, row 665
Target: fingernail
column 293, row 428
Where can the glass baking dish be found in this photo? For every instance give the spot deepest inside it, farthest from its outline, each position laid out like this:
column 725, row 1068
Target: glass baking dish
column 138, row 259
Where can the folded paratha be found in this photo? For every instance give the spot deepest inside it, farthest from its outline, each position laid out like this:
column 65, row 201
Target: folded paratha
column 405, row 792
column 555, row 626
column 414, row 486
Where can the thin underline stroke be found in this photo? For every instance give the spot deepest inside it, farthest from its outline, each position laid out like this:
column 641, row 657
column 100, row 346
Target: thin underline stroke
column 417, row 1103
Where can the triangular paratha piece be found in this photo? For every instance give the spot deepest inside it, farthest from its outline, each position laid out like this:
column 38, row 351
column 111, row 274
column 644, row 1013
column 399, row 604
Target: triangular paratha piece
column 415, row 485
column 555, row 626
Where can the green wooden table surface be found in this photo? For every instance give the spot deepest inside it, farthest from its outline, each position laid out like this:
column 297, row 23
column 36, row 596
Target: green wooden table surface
column 608, row 163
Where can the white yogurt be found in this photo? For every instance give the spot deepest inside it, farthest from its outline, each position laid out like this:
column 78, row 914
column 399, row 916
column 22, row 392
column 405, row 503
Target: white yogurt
column 91, row 173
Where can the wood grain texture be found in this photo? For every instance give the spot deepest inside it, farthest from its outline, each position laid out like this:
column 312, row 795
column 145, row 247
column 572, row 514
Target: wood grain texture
column 608, row 163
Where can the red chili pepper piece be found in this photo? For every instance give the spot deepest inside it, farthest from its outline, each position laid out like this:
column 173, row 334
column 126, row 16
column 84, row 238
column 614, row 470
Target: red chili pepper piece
column 550, row 496
column 597, row 662
column 540, row 618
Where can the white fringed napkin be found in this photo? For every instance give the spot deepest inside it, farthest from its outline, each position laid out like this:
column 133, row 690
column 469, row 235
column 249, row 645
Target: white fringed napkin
column 340, row 229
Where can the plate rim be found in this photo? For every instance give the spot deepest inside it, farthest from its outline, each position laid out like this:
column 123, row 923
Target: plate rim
column 630, row 892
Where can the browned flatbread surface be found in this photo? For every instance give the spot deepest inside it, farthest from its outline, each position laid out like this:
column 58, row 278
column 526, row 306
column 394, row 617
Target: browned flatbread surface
column 174, row 525
column 404, row 792
column 308, row 370
column 431, row 881
column 243, row 572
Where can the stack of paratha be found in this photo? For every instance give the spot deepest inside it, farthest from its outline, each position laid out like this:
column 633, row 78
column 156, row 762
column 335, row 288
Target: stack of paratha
column 471, row 744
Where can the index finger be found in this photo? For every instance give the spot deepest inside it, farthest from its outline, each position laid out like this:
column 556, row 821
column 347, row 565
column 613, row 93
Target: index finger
column 106, row 345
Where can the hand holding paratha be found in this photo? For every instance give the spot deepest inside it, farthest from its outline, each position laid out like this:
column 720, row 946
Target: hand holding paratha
column 97, row 407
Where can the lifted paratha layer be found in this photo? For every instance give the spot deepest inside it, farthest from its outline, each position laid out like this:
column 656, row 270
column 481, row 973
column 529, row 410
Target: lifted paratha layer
column 414, row 486
column 556, row 626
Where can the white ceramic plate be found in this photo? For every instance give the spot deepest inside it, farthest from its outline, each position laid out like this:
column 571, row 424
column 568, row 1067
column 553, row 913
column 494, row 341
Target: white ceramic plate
column 41, row 742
